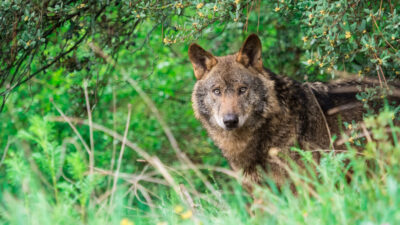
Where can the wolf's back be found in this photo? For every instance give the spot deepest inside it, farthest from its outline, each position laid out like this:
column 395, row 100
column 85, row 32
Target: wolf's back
column 338, row 99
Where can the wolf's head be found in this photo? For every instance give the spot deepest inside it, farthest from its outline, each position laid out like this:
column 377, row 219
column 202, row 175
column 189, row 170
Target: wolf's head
column 231, row 91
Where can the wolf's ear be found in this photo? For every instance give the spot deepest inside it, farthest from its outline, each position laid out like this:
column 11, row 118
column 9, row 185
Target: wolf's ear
column 250, row 53
column 202, row 60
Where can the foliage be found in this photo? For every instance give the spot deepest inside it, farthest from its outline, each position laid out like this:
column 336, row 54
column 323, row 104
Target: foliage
column 358, row 36
column 44, row 166
column 37, row 35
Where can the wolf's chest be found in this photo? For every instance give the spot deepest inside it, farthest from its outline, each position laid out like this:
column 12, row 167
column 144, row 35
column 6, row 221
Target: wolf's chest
column 232, row 146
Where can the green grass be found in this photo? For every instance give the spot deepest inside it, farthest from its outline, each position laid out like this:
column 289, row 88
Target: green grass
column 38, row 193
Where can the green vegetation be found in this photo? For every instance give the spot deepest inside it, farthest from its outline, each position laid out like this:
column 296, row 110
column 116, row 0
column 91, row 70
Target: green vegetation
column 96, row 125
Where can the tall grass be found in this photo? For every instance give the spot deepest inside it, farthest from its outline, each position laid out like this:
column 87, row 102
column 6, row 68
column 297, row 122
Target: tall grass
column 40, row 192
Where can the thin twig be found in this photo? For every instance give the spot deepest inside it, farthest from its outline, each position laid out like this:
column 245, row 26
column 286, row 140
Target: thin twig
column 328, row 130
column 185, row 195
column 66, row 119
column 131, row 178
column 89, row 111
column 114, row 149
column 366, row 133
column 121, row 153
column 344, row 107
column 5, row 151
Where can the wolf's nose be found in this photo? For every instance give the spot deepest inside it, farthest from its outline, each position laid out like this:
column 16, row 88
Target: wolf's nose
column 231, row 120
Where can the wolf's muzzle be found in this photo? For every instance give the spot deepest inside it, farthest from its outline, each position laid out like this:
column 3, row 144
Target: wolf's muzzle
column 231, row 121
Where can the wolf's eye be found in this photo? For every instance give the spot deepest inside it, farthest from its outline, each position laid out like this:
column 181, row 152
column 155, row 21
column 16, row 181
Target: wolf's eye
column 216, row 91
column 242, row 90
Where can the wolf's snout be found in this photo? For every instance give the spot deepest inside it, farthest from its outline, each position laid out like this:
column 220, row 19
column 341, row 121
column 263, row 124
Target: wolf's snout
column 231, row 121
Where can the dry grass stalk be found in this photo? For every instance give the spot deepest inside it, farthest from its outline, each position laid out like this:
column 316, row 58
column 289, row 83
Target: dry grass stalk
column 152, row 160
column 66, row 119
column 121, row 154
column 89, row 112
column 185, row 195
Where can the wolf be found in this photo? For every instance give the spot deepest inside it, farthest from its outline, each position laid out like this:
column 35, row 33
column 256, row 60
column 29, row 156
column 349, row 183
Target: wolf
column 254, row 115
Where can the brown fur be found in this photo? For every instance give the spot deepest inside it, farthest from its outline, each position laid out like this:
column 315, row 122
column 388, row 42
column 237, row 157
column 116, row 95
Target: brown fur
column 270, row 113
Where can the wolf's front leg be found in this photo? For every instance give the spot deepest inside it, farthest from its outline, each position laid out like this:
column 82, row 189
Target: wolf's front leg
column 251, row 177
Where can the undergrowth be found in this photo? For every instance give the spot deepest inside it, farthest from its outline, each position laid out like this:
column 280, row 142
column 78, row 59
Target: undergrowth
column 49, row 183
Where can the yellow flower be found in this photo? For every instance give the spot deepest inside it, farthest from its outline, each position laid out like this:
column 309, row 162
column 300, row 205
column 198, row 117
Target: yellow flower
column 310, row 61
column 397, row 73
column 178, row 209
column 324, row 33
column 237, row 2
column 351, row 140
column 28, row 43
column 179, row 5
column 200, row 14
column 215, row 8
column 359, row 73
column 125, row 221
column 315, row 36
column 321, row 65
column 236, row 19
column 26, row 18
column 393, row 38
column 346, row 56
column 200, row 5
column 338, row 5
column 310, row 16
column 364, row 31
column 305, row 38
column 322, row 12
column 364, row 100
column 348, row 34
column 329, row 69
column 277, row 9
column 332, row 42
column 379, row 61
column 80, row 6
column 162, row 223
column 187, row 215
column 344, row 23
column 137, row 16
